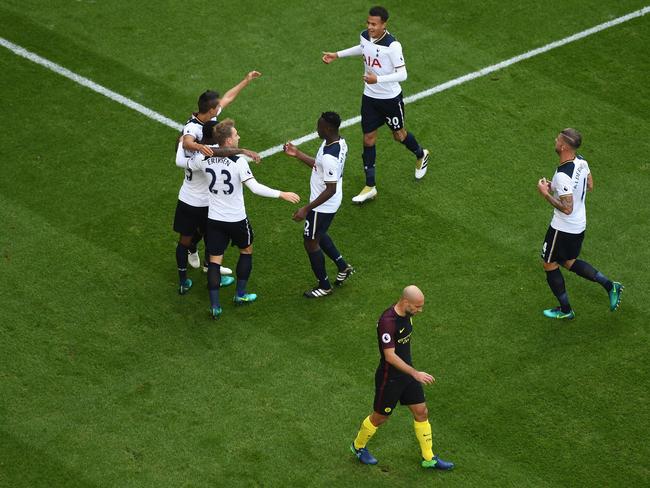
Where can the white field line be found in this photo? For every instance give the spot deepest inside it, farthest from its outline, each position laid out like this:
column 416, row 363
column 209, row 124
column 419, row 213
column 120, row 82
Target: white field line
column 116, row 97
column 20, row 51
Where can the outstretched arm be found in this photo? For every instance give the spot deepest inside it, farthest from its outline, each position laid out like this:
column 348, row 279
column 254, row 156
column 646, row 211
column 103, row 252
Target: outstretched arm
column 293, row 151
column 264, row 191
column 231, row 94
column 353, row 51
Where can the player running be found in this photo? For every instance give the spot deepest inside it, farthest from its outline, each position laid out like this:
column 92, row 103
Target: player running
column 397, row 380
column 325, row 199
column 567, row 192
column 227, row 220
column 381, row 102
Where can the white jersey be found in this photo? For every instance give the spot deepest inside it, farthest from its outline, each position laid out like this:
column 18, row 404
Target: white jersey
column 194, row 190
column 382, row 57
column 571, row 179
column 226, row 177
column 328, row 168
column 194, row 127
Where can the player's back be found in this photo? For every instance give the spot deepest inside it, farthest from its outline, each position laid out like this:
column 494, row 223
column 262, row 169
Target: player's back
column 226, row 177
column 571, row 178
column 328, row 168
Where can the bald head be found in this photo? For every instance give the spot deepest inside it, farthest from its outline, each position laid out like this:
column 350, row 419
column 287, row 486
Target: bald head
column 412, row 293
column 411, row 301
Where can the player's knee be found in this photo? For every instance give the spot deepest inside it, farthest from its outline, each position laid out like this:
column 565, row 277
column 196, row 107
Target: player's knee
column 421, row 414
column 369, row 139
column 377, row 419
column 549, row 266
column 568, row 264
column 399, row 135
column 311, row 245
column 246, row 250
column 185, row 241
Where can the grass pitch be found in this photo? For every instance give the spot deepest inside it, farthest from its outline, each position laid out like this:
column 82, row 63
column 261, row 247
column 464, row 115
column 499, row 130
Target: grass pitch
column 108, row 378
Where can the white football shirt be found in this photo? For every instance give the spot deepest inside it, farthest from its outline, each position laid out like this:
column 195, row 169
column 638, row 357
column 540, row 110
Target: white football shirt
column 382, row 57
column 226, row 177
column 194, row 190
column 330, row 162
column 571, row 179
column 194, row 127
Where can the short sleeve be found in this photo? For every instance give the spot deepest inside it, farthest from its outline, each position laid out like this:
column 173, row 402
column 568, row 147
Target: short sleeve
column 245, row 172
column 193, row 130
column 396, row 55
column 330, row 168
column 563, row 184
column 386, row 332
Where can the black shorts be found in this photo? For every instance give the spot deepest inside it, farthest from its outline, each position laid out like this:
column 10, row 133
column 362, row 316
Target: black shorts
column 561, row 246
column 389, row 390
column 317, row 224
column 189, row 219
column 219, row 234
column 376, row 112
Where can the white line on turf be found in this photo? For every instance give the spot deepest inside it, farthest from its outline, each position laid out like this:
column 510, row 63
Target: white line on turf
column 121, row 99
column 20, row 51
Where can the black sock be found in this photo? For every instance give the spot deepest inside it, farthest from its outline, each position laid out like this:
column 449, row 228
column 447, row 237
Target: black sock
column 214, row 283
column 556, row 283
column 317, row 260
column 181, row 262
column 328, row 247
column 587, row 271
column 369, row 156
column 244, row 268
column 412, row 144
column 196, row 238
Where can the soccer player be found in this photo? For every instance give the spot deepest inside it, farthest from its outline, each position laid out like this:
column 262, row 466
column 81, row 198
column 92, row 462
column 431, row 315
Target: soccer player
column 191, row 214
column 382, row 96
column 397, row 379
column 566, row 192
column 325, row 199
column 209, row 107
column 227, row 220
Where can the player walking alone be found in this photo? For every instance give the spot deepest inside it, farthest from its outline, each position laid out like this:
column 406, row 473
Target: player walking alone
column 397, row 380
column 567, row 192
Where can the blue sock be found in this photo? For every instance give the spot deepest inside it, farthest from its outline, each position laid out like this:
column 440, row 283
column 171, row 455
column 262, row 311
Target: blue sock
column 181, row 263
column 214, row 283
column 369, row 155
column 317, row 260
column 555, row 281
column 244, row 269
column 328, row 247
column 412, row 144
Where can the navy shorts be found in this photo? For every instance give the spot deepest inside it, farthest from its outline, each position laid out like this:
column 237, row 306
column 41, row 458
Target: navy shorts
column 188, row 219
column 561, row 246
column 390, row 390
column 219, row 234
column 317, row 224
column 376, row 112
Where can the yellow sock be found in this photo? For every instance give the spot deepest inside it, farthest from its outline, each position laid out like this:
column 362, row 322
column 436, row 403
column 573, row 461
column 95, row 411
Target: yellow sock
column 366, row 431
column 423, row 434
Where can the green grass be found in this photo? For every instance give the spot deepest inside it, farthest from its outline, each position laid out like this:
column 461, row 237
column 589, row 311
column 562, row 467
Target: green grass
column 109, row 378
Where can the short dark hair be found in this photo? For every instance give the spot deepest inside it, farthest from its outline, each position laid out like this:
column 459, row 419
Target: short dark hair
column 207, row 100
column 332, row 119
column 379, row 12
column 208, row 132
column 572, row 137
column 223, row 130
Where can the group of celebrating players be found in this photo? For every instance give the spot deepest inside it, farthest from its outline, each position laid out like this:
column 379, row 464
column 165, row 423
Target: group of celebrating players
column 211, row 207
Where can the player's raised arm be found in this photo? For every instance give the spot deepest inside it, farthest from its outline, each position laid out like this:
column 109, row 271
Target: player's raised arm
column 231, row 94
